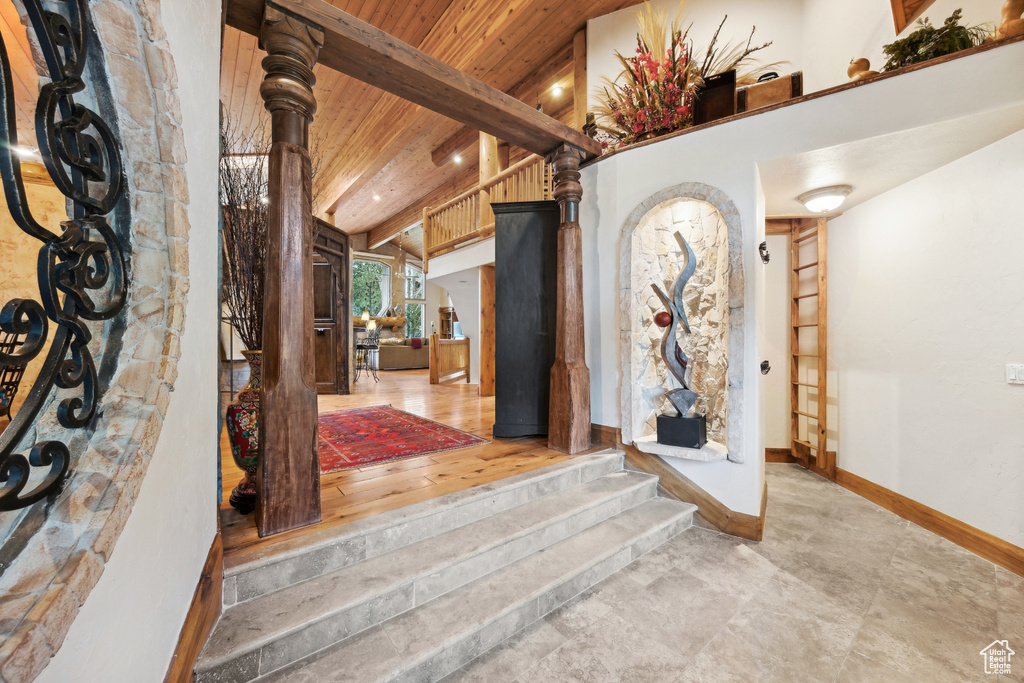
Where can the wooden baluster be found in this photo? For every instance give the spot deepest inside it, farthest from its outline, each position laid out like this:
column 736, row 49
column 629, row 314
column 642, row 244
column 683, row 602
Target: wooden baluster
column 288, row 477
column 426, row 243
column 569, row 416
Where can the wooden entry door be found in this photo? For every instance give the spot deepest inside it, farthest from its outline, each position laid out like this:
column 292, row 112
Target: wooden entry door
column 325, row 325
column 331, row 309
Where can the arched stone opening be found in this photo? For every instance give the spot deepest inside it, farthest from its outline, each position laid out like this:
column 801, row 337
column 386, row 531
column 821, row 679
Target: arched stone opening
column 58, row 558
column 713, row 299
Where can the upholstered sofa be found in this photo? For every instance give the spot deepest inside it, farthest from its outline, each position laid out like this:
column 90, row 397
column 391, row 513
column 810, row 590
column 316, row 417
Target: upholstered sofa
column 397, row 354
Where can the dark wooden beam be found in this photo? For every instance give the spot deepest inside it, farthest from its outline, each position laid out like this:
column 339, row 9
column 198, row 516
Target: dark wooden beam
column 366, row 53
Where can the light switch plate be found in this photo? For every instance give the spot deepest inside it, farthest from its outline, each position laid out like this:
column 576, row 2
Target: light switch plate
column 1014, row 373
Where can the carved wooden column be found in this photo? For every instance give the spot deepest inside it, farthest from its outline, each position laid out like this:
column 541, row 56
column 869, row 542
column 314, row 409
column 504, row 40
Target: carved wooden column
column 569, row 420
column 288, row 479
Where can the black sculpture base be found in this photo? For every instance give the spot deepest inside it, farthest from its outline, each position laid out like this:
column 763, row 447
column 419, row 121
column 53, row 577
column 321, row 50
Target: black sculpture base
column 687, row 432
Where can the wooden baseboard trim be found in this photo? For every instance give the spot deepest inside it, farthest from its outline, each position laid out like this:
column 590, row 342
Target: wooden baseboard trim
column 674, row 485
column 979, row 542
column 202, row 616
column 779, row 455
column 604, row 436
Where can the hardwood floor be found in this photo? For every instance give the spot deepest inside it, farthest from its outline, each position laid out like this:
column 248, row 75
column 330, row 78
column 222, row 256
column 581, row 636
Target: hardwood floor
column 357, row 493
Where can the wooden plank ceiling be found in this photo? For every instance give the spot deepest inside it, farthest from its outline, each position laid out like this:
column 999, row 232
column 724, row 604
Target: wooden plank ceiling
column 24, row 76
column 374, row 144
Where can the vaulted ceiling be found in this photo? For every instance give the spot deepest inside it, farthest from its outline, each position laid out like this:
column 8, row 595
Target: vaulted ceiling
column 378, row 151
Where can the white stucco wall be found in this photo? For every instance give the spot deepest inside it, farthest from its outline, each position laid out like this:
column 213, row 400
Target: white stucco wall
column 836, row 32
column 129, row 625
column 817, row 37
column 778, row 22
column 726, row 157
column 463, row 288
column 926, row 309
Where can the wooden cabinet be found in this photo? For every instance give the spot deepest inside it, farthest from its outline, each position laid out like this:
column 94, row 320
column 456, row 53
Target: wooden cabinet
column 525, row 270
column 447, row 318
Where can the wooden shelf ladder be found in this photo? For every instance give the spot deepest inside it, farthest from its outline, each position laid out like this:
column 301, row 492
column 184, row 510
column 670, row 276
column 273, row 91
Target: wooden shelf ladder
column 823, row 461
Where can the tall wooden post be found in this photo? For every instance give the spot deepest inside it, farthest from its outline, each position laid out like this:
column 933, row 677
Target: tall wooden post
column 490, row 166
column 569, row 418
column 288, row 479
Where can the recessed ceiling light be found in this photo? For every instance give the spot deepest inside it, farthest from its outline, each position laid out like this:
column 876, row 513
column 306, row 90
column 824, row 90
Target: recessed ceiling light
column 825, row 199
column 26, row 152
column 556, row 90
column 376, row 197
column 457, row 158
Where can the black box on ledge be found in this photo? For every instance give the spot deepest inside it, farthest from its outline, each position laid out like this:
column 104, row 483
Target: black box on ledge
column 688, row 432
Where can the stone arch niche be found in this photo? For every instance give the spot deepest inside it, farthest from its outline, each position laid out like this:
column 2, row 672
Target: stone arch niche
column 53, row 552
column 713, row 302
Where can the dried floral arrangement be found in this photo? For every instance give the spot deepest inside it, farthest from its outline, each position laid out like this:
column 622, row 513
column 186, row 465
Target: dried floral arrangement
column 928, row 42
column 655, row 91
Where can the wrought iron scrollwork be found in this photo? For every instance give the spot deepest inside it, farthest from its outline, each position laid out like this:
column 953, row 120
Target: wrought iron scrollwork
column 81, row 267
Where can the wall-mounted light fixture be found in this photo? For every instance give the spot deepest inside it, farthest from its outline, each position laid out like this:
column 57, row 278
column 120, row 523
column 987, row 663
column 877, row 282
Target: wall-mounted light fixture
column 825, row 199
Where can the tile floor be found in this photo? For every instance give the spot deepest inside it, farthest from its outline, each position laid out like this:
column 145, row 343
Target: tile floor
column 839, row 590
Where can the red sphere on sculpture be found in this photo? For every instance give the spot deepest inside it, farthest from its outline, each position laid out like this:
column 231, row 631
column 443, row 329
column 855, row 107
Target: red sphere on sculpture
column 662, row 319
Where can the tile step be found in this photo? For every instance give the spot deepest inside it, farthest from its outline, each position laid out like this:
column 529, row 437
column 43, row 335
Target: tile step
column 432, row 641
column 250, row 573
column 286, row 625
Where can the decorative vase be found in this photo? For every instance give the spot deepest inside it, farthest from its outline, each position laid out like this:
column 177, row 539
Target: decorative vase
column 243, row 422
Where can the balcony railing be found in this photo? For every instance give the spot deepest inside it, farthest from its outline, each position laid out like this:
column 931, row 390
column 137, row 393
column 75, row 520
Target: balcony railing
column 469, row 217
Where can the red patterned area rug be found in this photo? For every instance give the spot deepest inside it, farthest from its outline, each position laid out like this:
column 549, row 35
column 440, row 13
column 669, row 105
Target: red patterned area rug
column 368, row 436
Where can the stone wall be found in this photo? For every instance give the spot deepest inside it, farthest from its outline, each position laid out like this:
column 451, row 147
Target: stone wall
column 49, row 580
column 658, row 259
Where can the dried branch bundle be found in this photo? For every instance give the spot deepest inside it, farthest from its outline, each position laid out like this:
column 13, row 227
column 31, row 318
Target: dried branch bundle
column 244, row 179
column 243, row 194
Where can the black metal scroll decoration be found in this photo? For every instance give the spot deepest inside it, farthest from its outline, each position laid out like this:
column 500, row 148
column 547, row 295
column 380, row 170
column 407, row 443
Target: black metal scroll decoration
column 677, row 361
column 81, row 268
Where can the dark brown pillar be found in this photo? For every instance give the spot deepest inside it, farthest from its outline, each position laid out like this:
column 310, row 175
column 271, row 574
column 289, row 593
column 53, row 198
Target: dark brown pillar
column 569, row 420
column 288, row 479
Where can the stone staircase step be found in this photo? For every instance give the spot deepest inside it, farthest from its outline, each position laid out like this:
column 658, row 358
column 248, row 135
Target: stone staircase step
column 433, row 640
column 263, row 569
column 279, row 628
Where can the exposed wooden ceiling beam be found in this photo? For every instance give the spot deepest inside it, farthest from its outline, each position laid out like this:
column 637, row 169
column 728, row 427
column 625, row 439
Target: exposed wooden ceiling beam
column 364, row 52
column 534, row 88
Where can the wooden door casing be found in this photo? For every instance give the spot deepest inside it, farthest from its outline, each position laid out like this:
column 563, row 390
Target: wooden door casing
column 331, row 308
column 325, row 325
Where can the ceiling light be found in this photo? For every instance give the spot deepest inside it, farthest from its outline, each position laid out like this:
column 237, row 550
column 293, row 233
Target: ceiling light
column 457, row 158
column 376, row 197
column 26, row 152
column 825, row 199
column 556, row 90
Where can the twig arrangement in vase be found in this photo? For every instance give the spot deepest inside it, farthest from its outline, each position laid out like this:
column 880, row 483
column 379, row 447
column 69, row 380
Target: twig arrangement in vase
column 654, row 94
column 244, row 182
column 243, row 190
